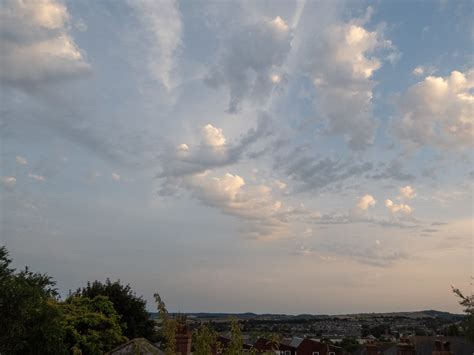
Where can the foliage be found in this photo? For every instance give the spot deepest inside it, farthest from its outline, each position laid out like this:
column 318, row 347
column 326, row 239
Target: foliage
column 349, row 344
column 91, row 324
column 235, row 346
column 467, row 302
column 204, row 339
column 169, row 326
column 30, row 318
column 135, row 319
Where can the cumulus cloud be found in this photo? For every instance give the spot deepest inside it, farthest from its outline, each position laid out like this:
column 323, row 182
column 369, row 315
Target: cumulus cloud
column 162, row 21
column 437, row 111
column 365, row 202
column 342, row 63
column 400, row 208
column 35, row 43
column 212, row 136
column 407, row 192
column 21, row 160
column 253, row 204
column 212, row 152
column 8, row 181
column 249, row 61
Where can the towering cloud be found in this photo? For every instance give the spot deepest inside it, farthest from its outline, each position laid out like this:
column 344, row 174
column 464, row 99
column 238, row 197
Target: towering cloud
column 341, row 64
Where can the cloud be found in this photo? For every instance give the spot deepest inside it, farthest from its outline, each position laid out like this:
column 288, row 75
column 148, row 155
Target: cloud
column 21, row 160
column 212, row 136
column 341, row 64
column 401, row 208
column 249, row 61
column 393, row 171
column 253, row 204
column 365, row 202
column 407, row 192
column 35, row 43
column 36, row 177
column 423, row 70
column 213, row 151
column 437, row 111
column 162, row 21
column 301, row 166
column 116, row 177
column 8, row 181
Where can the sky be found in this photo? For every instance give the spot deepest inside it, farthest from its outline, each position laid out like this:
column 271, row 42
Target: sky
column 242, row 156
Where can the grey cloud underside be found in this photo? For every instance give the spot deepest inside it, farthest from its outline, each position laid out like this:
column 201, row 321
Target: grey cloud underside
column 245, row 62
column 312, row 173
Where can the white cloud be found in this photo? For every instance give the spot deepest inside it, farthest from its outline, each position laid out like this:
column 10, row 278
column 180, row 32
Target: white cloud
column 8, row 181
column 35, row 43
column 438, row 111
column 116, row 177
column 36, row 177
column 407, row 192
column 401, row 208
column 342, row 63
column 253, row 204
column 212, row 136
column 21, row 160
column 418, row 71
column 162, row 20
column 247, row 61
column 365, row 202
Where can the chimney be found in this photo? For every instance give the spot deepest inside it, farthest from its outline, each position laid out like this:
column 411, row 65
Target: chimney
column 183, row 337
column 405, row 347
column 371, row 348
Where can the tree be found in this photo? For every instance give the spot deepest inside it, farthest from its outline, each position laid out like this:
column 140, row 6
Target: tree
column 235, row 346
column 30, row 317
column 204, row 339
column 467, row 302
column 92, row 325
column 169, row 326
column 350, row 345
column 135, row 319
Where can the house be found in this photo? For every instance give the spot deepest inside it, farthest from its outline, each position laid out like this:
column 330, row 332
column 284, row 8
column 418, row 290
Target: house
column 306, row 346
column 262, row 345
column 137, row 346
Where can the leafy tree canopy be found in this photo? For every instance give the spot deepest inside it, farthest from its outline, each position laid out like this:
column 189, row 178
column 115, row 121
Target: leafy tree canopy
column 30, row 318
column 91, row 324
column 135, row 319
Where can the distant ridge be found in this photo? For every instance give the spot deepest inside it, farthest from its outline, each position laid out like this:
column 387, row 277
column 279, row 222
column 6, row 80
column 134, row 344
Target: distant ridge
column 249, row 315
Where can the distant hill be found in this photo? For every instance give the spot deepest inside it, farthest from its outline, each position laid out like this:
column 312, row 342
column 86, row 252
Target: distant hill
column 248, row 315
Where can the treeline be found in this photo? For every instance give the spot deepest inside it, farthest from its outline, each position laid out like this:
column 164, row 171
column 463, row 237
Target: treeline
column 92, row 320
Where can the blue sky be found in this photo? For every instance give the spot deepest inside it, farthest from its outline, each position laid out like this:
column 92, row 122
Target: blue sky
column 265, row 156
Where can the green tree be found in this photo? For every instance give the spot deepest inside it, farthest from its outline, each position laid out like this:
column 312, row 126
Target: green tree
column 168, row 326
column 467, row 302
column 91, row 324
column 204, row 339
column 235, row 346
column 30, row 318
column 135, row 319
column 350, row 345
